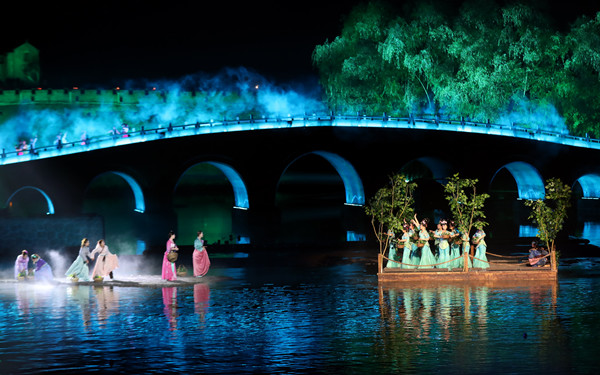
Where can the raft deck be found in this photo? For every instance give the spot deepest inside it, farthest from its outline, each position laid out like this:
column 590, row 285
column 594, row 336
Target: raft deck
column 499, row 270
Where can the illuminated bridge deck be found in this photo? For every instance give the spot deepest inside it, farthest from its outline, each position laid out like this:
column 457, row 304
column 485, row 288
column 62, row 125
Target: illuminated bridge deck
column 212, row 127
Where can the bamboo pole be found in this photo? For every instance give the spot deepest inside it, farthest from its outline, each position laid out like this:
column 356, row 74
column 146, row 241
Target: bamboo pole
column 465, row 260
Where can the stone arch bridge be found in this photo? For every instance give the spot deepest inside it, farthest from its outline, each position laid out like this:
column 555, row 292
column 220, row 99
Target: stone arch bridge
column 254, row 156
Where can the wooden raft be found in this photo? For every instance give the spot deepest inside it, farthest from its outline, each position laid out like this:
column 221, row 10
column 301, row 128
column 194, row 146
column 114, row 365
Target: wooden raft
column 499, row 270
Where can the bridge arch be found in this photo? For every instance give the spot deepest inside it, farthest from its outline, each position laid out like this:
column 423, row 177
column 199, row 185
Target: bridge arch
column 353, row 186
column 48, row 200
column 138, row 195
column 530, row 184
column 590, row 185
column 240, row 191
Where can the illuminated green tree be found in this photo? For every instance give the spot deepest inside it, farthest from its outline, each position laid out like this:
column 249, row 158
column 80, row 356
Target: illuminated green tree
column 550, row 213
column 390, row 208
column 484, row 62
column 353, row 74
column 578, row 102
column 417, row 46
column 466, row 205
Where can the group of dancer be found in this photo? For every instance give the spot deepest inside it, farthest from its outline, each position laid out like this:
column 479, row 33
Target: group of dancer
column 106, row 263
column 200, row 259
column 450, row 245
column 40, row 272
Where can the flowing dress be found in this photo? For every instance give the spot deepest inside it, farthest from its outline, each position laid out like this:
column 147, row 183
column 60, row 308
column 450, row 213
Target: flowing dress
column 79, row 268
column 392, row 256
column 106, row 262
column 200, row 259
column 455, row 250
column 415, row 256
column 406, row 258
column 427, row 258
column 42, row 271
column 443, row 252
column 168, row 269
column 21, row 265
column 480, row 254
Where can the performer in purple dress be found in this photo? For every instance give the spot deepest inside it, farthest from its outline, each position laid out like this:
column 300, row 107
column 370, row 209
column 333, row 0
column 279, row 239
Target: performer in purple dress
column 21, row 264
column 42, row 270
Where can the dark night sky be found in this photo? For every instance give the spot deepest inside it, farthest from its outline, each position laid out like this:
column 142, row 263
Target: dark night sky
column 105, row 43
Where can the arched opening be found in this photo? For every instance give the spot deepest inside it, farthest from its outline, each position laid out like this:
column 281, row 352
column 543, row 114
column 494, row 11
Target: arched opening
column 320, row 198
column 530, row 184
column 587, row 186
column 212, row 197
column 353, row 186
column 510, row 186
column 29, row 201
column 586, row 191
column 119, row 200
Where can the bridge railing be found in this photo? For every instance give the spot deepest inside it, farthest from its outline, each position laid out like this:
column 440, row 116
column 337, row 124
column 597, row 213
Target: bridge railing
column 359, row 120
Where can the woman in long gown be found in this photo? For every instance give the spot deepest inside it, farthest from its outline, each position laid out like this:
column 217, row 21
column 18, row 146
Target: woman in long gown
column 427, row 258
column 454, row 245
column 480, row 260
column 406, row 254
column 393, row 254
column 200, row 259
column 80, row 268
column 21, row 264
column 413, row 234
column 169, row 272
column 106, row 263
column 443, row 246
column 42, row 270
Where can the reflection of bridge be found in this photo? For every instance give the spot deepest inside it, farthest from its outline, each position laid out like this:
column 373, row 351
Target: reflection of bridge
column 254, row 154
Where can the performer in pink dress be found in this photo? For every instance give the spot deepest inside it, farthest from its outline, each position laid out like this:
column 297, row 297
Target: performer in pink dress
column 106, row 262
column 169, row 272
column 200, row 258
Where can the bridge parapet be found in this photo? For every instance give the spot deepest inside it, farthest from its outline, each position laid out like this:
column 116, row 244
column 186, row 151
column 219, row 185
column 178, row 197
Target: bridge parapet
column 359, row 121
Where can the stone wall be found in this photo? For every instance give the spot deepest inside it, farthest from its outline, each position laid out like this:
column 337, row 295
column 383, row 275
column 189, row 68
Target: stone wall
column 82, row 96
column 47, row 233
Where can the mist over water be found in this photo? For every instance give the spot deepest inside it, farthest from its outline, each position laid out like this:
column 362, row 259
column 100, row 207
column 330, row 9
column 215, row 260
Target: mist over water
column 130, row 266
column 195, row 98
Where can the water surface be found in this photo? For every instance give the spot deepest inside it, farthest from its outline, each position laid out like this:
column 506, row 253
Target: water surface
column 302, row 319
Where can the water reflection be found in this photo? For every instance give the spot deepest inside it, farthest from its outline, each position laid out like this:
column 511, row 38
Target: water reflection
column 201, row 300
column 107, row 301
column 428, row 321
column 591, row 231
column 169, row 296
column 81, row 295
column 22, row 294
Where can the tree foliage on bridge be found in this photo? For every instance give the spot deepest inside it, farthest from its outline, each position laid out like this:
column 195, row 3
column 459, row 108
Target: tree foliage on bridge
column 483, row 62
